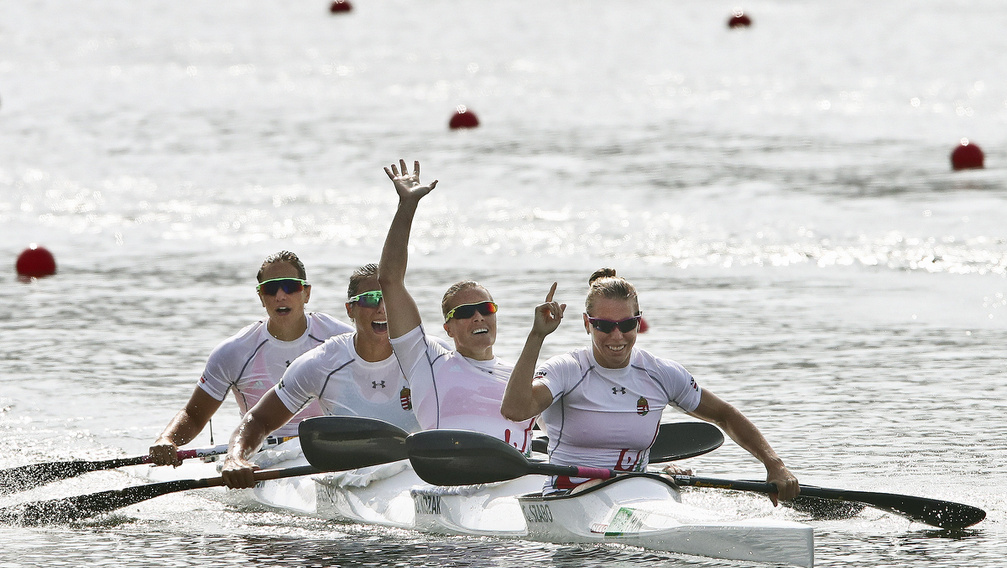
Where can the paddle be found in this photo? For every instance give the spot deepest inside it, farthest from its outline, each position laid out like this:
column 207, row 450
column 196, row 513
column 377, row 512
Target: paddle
column 321, row 437
column 463, row 457
column 682, row 440
column 935, row 512
column 459, row 457
column 675, row 441
column 25, row 477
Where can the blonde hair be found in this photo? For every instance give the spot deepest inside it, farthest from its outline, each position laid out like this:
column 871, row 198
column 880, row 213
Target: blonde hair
column 604, row 283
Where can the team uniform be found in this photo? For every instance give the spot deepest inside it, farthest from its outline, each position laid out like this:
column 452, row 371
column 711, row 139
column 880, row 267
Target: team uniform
column 252, row 361
column 608, row 418
column 455, row 392
column 344, row 384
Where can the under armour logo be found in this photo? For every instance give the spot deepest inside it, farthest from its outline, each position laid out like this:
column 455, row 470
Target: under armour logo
column 376, row 384
column 618, row 390
column 288, row 363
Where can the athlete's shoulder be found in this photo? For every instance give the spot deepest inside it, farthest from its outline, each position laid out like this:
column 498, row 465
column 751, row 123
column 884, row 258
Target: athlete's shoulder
column 251, row 333
column 322, row 324
column 650, row 362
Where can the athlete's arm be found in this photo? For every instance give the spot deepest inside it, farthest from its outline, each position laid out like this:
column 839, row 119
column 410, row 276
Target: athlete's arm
column 523, row 397
column 402, row 313
column 185, row 426
column 267, row 415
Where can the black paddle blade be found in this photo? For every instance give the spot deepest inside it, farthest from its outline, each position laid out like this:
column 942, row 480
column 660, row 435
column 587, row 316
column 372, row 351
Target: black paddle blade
column 462, row 457
column 25, row 477
column 681, row 440
column 82, row 506
column 825, row 509
column 78, row 507
column 935, row 512
column 944, row 514
column 339, row 443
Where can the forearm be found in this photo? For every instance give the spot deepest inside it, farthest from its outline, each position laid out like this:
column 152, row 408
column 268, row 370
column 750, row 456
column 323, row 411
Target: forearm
column 402, row 313
column 246, row 439
column 395, row 253
column 748, row 436
column 267, row 415
column 736, row 425
column 182, row 429
column 519, row 401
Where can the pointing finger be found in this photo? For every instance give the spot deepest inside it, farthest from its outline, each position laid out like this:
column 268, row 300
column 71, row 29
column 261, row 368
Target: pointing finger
column 552, row 291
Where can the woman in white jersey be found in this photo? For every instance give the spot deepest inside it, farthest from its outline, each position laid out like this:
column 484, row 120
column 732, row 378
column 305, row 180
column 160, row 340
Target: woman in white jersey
column 452, row 388
column 253, row 360
column 602, row 405
column 353, row 374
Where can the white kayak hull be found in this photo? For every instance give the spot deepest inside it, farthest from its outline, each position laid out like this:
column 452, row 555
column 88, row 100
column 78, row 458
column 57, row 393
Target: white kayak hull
column 481, row 510
column 647, row 511
column 642, row 510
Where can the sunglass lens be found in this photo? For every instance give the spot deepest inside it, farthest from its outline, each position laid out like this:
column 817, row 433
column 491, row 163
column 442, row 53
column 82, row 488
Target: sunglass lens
column 369, row 299
column 603, row 326
column 629, row 325
column 289, row 286
column 608, row 326
column 466, row 311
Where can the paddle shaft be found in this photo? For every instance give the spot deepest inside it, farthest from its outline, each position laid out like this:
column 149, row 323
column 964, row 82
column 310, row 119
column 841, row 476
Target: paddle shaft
column 675, row 441
column 935, row 512
column 82, row 506
column 22, row 478
column 344, row 443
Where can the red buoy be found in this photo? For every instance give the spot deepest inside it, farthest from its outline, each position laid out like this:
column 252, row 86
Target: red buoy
column 966, row 156
column 739, row 19
column 35, row 262
column 339, row 6
column 463, row 118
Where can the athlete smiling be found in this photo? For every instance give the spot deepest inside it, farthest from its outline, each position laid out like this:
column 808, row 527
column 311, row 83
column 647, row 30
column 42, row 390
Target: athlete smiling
column 253, row 360
column 452, row 388
column 602, row 406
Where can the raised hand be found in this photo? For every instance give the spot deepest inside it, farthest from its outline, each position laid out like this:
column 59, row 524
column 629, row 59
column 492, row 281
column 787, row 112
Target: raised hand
column 549, row 314
column 407, row 185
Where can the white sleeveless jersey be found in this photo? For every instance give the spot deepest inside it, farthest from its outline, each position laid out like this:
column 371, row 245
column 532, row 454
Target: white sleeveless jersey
column 451, row 391
column 345, row 384
column 609, row 418
column 252, row 361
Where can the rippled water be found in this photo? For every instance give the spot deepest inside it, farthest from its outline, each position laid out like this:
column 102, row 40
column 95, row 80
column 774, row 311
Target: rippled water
column 780, row 195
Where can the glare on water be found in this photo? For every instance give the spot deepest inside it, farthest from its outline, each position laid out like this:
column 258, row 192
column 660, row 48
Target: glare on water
column 781, row 196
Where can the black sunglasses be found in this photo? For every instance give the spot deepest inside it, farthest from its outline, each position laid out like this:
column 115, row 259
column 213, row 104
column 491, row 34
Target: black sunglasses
column 465, row 311
column 608, row 326
column 289, row 286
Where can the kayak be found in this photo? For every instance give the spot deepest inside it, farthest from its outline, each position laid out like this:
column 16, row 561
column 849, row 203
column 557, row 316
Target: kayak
column 642, row 510
column 646, row 510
